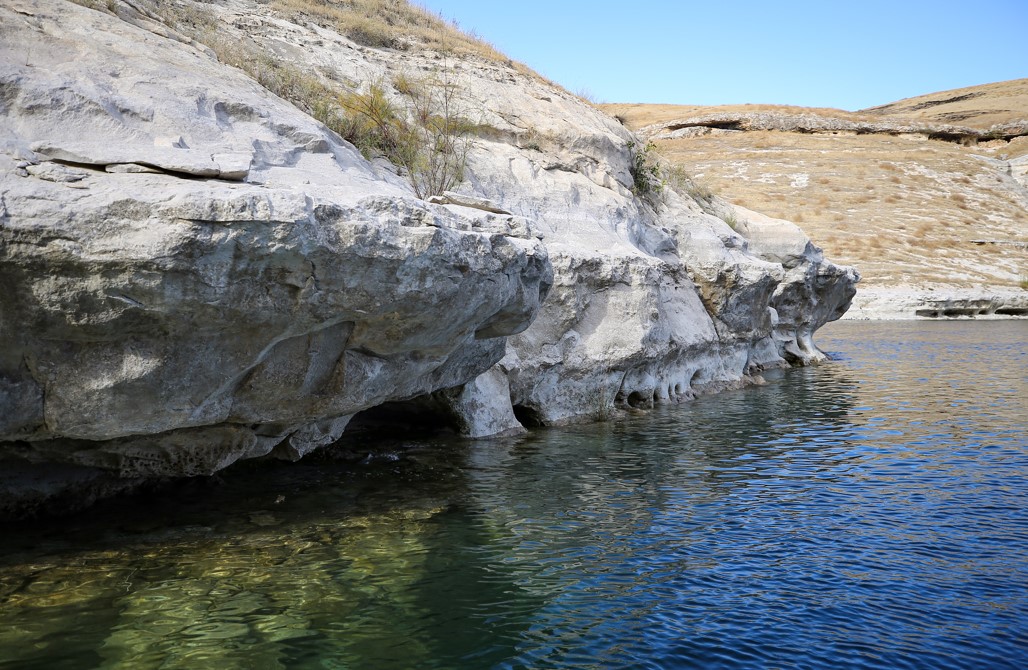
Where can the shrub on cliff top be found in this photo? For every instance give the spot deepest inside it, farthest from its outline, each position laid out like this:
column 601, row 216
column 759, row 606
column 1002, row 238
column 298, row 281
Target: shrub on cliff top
column 428, row 136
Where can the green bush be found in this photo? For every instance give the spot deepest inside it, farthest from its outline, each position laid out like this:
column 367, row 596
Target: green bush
column 645, row 170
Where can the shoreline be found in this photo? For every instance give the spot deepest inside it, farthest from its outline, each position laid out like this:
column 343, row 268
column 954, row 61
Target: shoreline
column 937, row 303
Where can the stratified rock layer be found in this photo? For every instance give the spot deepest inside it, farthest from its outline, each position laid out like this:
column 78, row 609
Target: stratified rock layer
column 157, row 323
column 193, row 271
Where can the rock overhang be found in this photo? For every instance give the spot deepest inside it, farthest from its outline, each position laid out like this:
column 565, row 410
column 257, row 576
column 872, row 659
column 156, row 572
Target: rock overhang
column 188, row 316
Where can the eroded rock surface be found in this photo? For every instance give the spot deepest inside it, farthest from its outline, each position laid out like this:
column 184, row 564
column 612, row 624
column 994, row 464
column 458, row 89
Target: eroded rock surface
column 941, row 302
column 193, row 271
column 155, row 323
column 722, row 122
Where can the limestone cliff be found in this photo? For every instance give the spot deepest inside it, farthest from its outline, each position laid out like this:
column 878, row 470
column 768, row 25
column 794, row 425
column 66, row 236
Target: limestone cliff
column 194, row 271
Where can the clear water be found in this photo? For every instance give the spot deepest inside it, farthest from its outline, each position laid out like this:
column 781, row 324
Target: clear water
column 868, row 513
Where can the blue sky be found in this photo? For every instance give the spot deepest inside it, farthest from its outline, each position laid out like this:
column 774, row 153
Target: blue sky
column 849, row 55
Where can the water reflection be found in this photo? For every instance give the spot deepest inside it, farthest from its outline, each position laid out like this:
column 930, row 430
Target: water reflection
column 346, row 568
column 850, row 515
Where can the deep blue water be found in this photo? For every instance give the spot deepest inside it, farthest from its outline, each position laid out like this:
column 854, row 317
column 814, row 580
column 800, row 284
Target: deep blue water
column 867, row 513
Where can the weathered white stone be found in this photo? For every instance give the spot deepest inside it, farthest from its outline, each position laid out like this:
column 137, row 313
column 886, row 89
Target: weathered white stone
column 158, row 323
column 451, row 198
column 775, row 240
column 170, row 142
column 56, row 173
column 155, row 325
column 939, row 303
column 130, row 168
column 809, row 122
column 482, row 407
column 1019, row 170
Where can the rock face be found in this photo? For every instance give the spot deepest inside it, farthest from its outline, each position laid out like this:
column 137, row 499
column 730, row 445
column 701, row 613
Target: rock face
column 1019, row 170
column 193, row 271
column 155, row 323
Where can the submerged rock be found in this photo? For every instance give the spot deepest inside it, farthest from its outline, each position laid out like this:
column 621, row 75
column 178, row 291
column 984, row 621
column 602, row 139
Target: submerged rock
column 193, row 271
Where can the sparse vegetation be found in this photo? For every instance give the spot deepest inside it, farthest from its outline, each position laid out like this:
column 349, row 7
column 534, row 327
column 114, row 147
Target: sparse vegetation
column 645, row 169
column 700, row 190
column 433, row 133
column 100, row 5
column 395, row 24
column 675, row 178
column 427, row 136
column 586, row 96
column 532, row 139
column 850, row 190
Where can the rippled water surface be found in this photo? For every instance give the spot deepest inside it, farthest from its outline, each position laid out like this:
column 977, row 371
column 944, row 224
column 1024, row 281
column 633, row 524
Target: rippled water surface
column 868, row 513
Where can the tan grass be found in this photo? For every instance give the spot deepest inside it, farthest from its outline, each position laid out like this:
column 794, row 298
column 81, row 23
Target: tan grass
column 396, row 24
column 975, row 106
column 850, row 194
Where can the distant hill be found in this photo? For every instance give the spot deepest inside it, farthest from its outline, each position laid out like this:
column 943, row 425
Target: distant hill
column 975, row 106
column 925, row 192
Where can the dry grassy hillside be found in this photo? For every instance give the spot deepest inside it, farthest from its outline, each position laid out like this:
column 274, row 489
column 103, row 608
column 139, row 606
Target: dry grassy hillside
column 976, row 106
column 904, row 209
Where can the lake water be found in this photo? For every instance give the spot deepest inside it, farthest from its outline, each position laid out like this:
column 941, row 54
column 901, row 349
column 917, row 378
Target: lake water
column 867, row 513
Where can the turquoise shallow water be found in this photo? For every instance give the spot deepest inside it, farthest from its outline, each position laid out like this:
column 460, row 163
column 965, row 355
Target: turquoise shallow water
column 868, row 513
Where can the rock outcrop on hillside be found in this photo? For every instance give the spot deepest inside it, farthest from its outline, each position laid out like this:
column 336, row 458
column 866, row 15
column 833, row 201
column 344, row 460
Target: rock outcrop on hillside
column 818, row 124
column 194, row 271
column 933, row 213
